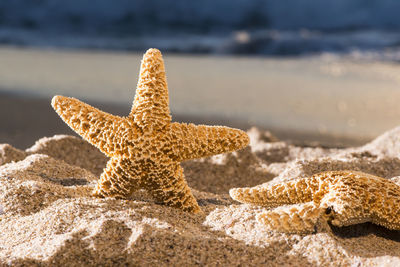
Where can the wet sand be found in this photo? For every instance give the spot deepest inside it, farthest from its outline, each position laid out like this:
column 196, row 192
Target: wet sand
column 325, row 99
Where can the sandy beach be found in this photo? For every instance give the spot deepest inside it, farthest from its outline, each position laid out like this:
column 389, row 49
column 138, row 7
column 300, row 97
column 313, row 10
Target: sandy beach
column 199, row 133
column 334, row 101
column 303, row 116
column 48, row 217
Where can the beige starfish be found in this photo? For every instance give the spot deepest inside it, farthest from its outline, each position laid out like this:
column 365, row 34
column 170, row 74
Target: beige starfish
column 146, row 147
column 341, row 197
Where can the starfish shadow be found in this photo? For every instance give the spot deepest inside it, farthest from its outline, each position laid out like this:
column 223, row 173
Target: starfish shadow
column 365, row 229
column 66, row 181
column 367, row 240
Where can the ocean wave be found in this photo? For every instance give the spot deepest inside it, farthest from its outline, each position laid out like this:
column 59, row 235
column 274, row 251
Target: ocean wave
column 262, row 27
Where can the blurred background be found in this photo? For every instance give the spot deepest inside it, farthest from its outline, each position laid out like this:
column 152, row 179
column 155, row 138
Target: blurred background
column 256, row 27
column 307, row 70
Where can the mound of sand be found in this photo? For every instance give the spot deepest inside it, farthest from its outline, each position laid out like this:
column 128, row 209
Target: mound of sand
column 48, row 217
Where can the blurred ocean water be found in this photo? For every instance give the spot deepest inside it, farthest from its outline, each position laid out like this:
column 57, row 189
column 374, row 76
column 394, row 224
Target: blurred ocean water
column 360, row 28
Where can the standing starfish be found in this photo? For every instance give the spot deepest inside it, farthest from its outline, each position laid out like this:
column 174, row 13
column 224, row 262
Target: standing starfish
column 146, row 148
column 341, row 197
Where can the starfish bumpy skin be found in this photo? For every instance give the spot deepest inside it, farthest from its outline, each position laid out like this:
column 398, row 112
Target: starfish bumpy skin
column 341, row 197
column 146, row 148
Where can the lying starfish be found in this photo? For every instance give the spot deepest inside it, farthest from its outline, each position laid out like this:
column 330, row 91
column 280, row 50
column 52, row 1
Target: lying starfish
column 146, row 148
column 341, row 197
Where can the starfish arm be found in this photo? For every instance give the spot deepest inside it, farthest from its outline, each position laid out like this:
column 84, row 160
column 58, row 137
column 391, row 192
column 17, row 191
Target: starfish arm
column 360, row 197
column 99, row 128
column 298, row 218
column 117, row 180
column 196, row 141
column 271, row 195
column 151, row 104
column 172, row 189
column 387, row 211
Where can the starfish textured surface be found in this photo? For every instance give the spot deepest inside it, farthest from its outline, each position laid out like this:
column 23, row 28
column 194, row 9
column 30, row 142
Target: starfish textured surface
column 146, row 148
column 341, row 197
